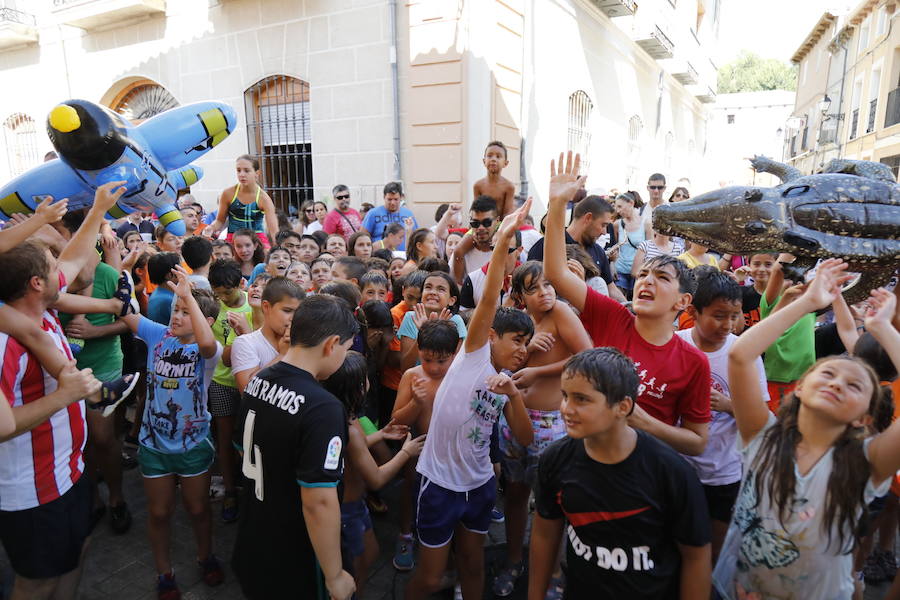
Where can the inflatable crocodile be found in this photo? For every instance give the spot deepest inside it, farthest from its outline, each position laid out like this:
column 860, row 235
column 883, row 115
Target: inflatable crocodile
column 850, row 210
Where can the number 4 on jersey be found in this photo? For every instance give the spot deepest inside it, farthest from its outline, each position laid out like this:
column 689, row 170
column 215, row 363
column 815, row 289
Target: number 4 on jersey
column 252, row 467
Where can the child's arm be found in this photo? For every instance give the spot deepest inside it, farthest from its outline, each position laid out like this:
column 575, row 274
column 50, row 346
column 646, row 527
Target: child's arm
column 26, row 331
column 44, row 214
column 7, row 419
column 509, row 200
column 638, row 261
column 696, row 571
column 361, row 459
column 776, row 281
column 76, row 304
column 514, row 411
column 203, row 334
column 111, row 254
column 73, row 385
column 546, row 535
column 750, row 411
column 408, row 404
column 563, row 186
column 81, row 247
column 846, row 324
column 392, row 431
column 441, row 230
column 483, row 315
column 572, row 334
column 214, row 228
column 80, row 328
column 884, row 450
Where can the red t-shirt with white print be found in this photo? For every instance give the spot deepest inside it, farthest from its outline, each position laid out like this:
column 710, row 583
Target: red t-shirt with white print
column 673, row 378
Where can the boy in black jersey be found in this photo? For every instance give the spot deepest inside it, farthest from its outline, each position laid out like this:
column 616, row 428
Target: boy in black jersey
column 294, row 434
column 632, row 509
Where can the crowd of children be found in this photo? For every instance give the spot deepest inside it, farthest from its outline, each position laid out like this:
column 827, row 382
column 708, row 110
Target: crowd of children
column 665, row 409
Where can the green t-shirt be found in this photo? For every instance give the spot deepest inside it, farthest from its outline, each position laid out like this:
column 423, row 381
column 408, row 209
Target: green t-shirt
column 103, row 355
column 225, row 335
column 794, row 352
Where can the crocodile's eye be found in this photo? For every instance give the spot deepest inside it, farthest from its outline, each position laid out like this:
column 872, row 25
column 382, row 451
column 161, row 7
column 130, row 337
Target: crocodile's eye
column 755, row 228
column 753, row 195
column 797, row 190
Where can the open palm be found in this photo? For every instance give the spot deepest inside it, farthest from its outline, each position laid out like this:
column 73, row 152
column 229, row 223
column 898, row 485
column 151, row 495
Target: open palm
column 565, row 182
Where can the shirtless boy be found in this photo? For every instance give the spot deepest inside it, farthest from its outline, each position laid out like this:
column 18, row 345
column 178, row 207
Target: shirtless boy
column 495, row 185
column 558, row 335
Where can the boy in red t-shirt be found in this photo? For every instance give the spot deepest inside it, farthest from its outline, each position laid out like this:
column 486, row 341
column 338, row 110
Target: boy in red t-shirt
column 673, row 396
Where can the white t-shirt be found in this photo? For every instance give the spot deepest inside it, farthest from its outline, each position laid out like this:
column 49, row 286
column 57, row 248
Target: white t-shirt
column 312, row 228
column 475, row 259
column 251, row 351
column 456, row 455
column 790, row 561
column 720, row 463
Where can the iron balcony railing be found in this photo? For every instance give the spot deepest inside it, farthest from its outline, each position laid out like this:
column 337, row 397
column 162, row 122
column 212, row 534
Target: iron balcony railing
column 827, row 136
column 854, row 125
column 803, row 144
column 793, row 145
column 892, row 110
column 870, row 126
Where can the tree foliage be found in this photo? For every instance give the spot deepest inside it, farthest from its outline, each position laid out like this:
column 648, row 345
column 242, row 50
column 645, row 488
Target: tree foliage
column 749, row 72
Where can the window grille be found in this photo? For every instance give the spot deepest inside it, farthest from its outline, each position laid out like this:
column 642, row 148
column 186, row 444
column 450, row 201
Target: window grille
column 580, row 107
column 20, row 136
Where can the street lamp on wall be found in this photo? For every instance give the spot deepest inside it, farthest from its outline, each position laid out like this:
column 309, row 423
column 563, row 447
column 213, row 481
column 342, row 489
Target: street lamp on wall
column 824, row 106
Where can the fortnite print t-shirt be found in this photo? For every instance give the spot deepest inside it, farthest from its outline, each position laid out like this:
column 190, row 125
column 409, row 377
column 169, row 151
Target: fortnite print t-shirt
column 175, row 415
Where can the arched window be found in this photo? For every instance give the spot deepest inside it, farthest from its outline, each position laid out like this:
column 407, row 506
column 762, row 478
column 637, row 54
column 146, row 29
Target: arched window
column 580, row 107
column 143, row 99
column 20, row 136
column 635, row 126
column 669, row 149
column 279, row 135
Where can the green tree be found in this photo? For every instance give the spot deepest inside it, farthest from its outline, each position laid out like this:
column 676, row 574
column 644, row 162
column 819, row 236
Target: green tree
column 749, row 72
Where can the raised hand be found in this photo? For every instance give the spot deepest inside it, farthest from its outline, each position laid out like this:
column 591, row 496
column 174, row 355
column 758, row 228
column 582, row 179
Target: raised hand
column 49, row 211
column 182, row 289
column 565, row 182
column 514, row 220
column 420, row 315
column 238, row 322
column 107, row 195
column 830, row 276
column 882, row 306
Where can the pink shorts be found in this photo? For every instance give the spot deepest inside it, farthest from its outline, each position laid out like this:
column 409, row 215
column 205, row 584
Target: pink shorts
column 262, row 238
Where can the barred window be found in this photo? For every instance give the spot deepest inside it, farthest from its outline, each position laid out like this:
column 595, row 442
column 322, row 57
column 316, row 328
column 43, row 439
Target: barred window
column 20, row 137
column 669, row 150
column 635, row 126
column 279, row 135
column 143, row 100
column 580, row 107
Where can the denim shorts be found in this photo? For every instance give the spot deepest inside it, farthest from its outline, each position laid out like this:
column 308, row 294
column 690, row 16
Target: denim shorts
column 355, row 522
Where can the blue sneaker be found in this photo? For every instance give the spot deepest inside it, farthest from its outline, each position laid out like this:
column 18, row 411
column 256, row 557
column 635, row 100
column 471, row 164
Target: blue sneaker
column 497, row 516
column 403, row 555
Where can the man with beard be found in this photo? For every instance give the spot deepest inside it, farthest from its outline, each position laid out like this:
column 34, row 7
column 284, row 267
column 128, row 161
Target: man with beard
column 474, row 251
column 342, row 219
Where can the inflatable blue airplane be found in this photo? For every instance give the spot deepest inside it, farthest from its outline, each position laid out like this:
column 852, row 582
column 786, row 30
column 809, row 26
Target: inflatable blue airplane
column 96, row 146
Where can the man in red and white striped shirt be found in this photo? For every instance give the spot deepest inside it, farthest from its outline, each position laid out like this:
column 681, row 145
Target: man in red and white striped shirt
column 45, row 503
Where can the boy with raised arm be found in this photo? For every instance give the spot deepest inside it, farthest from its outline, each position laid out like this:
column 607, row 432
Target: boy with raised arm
column 673, row 396
column 457, row 488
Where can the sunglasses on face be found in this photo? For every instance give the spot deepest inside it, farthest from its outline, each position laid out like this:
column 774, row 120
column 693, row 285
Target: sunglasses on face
column 309, row 210
column 682, row 196
column 475, row 223
column 656, row 187
column 347, row 197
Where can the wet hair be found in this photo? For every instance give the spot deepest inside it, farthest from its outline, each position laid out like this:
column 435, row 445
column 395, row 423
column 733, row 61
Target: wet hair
column 279, row 288
column 686, row 282
column 414, row 279
column 609, row 372
column 524, row 277
column 439, row 336
column 432, row 264
column 384, row 254
column 451, row 283
column 419, row 235
column 774, row 468
column 373, row 279
column 592, row 204
column 225, row 273
column 196, row 251
column 498, row 144
column 353, row 266
column 320, row 316
column 259, row 252
column 160, row 266
column 351, row 243
column 512, row 320
column 657, row 177
column 714, row 285
column 378, row 314
column 483, row 204
column 18, row 265
column 208, row 303
column 578, row 253
column 348, row 384
column 253, row 161
column 344, row 290
column 284, row 234
column 393, row 187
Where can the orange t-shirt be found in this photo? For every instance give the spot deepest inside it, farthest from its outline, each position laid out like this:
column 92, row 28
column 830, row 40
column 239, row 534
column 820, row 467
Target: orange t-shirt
column 390, row 376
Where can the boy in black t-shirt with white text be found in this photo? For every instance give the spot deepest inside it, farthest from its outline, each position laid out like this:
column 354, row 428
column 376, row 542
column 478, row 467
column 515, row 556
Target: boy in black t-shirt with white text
column 633, row 510
column 294, row 435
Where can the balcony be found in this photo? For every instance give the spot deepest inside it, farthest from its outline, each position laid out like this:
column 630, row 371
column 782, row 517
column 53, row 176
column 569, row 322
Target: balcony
column 803, row 144
column 827, row 136
column 99, row 14
column 654, row 42
column 615, row 8
column 707, row 96
column 16, row 28
column 793, row 146
column 870, row 126
column 854, row 125
column 685, row 73
column 892, row 110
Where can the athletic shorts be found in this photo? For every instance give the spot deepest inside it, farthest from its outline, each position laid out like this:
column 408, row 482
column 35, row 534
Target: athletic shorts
column 195, row 461
column 720, row 499
column 46, row 541
column 263, row 238
column 519, row 463
column 439, row 511
column 224, row 401
column 355, row 522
